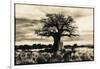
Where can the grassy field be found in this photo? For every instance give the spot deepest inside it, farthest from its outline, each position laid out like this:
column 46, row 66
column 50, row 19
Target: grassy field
column 41, row 54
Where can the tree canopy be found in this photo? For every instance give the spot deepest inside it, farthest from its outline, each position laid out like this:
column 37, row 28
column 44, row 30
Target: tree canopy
column 58, row 24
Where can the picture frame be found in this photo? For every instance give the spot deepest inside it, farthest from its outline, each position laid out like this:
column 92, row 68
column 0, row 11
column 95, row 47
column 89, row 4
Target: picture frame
column 16, row 12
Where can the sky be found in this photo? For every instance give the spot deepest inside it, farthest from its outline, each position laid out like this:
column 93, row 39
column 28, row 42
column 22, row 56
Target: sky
column 27, row 17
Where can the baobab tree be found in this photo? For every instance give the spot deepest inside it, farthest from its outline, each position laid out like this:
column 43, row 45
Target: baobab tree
column 56, row 26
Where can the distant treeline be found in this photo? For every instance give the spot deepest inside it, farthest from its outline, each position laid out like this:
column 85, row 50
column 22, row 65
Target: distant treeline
column 78, row 46
column 34, row 46
column 41, row 46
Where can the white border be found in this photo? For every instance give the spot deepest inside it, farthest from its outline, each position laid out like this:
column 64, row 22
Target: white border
column 12, row 36
column 58, row 65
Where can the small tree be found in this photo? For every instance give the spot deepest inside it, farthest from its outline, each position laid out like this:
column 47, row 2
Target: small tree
column 57, row 25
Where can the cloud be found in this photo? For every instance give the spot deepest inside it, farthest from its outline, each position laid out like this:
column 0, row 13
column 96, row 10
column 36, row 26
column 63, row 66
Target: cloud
column 37, row 12
column 28, row 16
column 78, row 12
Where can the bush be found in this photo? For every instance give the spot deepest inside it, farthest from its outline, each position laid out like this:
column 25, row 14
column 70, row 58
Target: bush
column 73, row 53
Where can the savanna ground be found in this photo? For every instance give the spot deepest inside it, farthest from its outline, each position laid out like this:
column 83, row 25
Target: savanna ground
column 41, row 54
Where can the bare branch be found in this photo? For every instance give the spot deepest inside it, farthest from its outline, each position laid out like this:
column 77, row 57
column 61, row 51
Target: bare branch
column 56, row 24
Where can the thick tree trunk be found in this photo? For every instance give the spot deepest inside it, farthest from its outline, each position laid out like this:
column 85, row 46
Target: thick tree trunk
column 56, row 43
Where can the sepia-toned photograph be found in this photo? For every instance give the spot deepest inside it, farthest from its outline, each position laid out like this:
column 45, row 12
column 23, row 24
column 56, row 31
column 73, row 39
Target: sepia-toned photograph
column 46, row 34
